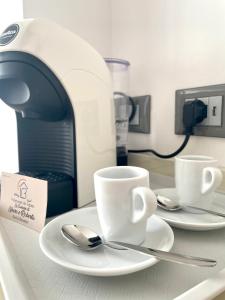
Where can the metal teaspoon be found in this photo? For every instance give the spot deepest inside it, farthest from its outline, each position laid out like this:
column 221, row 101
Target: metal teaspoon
column 87, row 239
column 171, row 205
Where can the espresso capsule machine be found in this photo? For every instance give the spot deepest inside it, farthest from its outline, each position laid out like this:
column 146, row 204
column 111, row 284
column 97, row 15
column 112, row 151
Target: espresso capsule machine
column 60, row 89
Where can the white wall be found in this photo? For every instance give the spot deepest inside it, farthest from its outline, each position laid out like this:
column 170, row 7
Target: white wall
column 171, row 44
column 10, row 11
column 91, row 19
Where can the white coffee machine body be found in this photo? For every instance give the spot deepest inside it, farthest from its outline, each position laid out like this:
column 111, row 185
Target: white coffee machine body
column 84, row 76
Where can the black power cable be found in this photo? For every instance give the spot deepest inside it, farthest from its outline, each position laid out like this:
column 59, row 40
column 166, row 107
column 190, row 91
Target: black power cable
column 165, row 156
column 194, row 112
column 130, row 99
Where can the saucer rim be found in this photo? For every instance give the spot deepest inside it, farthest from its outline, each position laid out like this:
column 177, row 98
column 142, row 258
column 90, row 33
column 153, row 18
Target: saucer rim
column 190, row 225
column 105, row 272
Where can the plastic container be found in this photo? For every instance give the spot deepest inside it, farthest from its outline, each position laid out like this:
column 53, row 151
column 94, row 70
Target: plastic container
column 119, row 69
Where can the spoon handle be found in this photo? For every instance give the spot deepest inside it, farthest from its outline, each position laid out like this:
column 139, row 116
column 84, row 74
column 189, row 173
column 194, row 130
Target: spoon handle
column 171, row 256
column 206, row 210
column 114, row 246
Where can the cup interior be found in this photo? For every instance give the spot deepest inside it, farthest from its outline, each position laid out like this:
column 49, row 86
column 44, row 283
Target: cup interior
column 121, row 172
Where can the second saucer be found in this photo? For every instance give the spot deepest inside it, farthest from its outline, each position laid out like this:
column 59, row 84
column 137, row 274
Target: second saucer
column 190, row 221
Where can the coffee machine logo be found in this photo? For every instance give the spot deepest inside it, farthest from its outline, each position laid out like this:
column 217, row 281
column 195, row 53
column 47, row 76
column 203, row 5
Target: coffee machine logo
column 9, row 34
column 22, row 188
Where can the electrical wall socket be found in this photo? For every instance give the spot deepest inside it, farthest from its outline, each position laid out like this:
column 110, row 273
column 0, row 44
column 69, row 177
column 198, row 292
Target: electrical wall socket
column 213, row 96
column 214, row 111
column 141, row 120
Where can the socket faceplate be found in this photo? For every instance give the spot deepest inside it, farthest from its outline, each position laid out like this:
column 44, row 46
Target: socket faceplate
column 213, row 96
column 141, row 120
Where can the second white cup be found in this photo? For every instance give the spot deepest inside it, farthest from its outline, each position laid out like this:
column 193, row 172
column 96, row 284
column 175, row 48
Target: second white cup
column 124, row 202
column 197, row 177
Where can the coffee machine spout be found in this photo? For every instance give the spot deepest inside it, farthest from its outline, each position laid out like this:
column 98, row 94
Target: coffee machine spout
column 30, row 115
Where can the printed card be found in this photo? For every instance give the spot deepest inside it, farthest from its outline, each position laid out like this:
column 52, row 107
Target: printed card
column 24, row 200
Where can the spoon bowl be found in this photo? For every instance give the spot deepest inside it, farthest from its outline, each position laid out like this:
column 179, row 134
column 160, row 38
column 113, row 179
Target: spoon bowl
column 167, row 204
column 81, row 236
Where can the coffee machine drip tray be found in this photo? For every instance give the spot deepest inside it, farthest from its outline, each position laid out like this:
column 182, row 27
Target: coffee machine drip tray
column 47, row 175
column 60, row 190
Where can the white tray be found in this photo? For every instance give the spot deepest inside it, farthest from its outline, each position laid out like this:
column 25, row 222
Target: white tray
column 26, row 274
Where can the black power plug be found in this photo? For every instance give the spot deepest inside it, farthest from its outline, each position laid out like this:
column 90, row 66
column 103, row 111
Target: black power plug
column 194, row 112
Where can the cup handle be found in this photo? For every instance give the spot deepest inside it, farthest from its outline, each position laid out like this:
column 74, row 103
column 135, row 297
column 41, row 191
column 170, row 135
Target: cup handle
column 144, row 203
column 211, row 179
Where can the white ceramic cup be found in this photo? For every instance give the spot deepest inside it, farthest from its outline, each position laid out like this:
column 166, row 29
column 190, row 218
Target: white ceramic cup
column 196, row 177
column 124, row 202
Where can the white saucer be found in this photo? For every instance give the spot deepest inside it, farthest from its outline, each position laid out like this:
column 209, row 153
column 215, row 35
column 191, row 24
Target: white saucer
column 102, row 261
column 193, row 221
